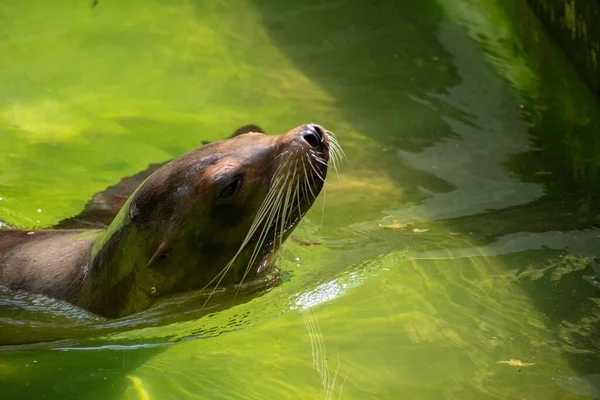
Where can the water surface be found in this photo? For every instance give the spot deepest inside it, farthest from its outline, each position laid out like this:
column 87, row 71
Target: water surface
column 460, row 238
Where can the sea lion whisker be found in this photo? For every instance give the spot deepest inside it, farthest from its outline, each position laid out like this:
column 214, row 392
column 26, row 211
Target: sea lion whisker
column 298, row 190
column 291, row 192
column 334, row 142
column 314, row 154
column 316, row 171
column 281, row 154
column 282, row 216
column 303, row 187
column 224, row 271
column 221, row 275
column 256, row 250
column 255, row 253
column 323, row 204
column 269, row 215
column 318, row 159
column 336, row 158
column 266, row 207
column 286, row 214
column 336, row 154
column 331, row 136
column 278, row 209
column 306, row 187
column 307, row 184
column 335, row 148
column 293, row 196
column 275, row 210
column 264, row 210
column 335, row 168
column 277, row 174
column 297, row 195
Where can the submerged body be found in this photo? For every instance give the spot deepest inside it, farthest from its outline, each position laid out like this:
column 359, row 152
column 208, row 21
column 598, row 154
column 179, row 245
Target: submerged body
column 215, row 215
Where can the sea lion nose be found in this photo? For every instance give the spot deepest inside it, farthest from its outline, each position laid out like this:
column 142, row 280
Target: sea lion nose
column 313, row 135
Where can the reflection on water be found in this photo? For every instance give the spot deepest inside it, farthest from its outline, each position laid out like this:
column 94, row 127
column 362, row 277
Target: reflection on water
column 473, row 162
column 460, row 240
column 320, row 360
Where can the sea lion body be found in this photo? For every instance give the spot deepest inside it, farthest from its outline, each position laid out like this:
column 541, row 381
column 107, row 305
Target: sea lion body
column 215, row 215
column 48, row 262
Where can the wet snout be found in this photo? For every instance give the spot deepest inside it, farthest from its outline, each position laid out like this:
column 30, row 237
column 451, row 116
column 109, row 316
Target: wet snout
column 308, row 137
column 313, row 135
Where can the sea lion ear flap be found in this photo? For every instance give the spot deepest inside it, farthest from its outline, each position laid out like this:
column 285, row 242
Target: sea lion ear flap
column 247, row 129
column 241, row 131
column 162, row 250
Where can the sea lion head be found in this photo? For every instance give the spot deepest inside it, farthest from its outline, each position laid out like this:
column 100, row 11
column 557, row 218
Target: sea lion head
column 215, row 215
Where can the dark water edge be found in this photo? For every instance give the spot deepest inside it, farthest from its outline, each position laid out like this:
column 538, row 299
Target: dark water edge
column 574, row 25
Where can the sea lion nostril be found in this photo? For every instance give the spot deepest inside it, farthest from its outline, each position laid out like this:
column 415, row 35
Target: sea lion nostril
column 312, row 139
column 319, row 131
column 313, row 135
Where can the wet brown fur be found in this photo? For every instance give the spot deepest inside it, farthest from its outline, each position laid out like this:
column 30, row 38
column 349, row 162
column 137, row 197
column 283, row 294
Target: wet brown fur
column 49, row 262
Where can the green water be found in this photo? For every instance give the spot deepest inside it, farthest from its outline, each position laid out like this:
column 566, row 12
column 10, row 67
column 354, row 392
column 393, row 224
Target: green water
column 460, row 234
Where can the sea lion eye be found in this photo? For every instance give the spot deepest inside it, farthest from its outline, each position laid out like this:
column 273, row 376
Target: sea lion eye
column 232, row 189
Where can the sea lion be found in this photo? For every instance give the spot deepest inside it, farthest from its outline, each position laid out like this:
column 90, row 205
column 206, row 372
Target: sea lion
column 215, row 215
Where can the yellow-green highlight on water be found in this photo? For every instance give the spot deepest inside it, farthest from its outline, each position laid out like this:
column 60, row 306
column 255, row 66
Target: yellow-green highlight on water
column 460, row 239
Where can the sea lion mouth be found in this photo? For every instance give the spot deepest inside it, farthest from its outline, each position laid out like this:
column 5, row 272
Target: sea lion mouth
column 303, row 161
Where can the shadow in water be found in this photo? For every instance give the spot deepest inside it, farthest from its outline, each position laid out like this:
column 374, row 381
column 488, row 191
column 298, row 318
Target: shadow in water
column 380, row 59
